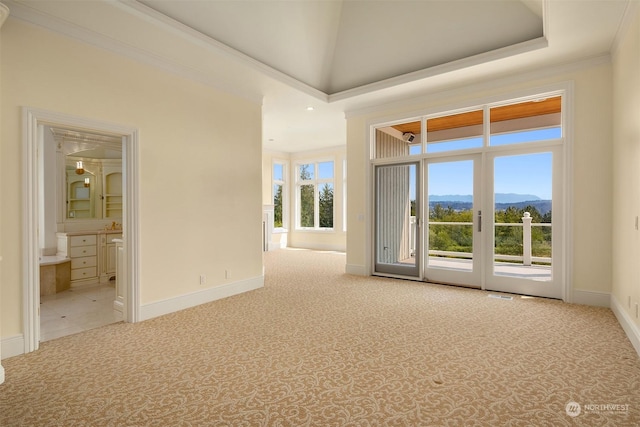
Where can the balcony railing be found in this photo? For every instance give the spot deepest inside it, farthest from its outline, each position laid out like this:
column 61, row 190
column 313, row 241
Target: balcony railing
column 527, row 258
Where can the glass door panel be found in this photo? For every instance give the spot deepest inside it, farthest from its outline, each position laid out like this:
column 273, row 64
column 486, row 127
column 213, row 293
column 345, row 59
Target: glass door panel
column 397, row 219
column 452, row 198
column 523, row 258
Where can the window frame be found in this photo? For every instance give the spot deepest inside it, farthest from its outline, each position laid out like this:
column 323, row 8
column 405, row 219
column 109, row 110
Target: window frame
column 317, row 183
column 285, row 193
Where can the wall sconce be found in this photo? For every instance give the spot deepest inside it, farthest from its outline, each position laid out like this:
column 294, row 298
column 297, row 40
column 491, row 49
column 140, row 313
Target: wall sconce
column 79, row 168
column 86, row 182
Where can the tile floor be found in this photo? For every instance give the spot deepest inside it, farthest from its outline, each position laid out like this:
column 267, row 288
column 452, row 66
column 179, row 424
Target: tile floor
column 77, row 310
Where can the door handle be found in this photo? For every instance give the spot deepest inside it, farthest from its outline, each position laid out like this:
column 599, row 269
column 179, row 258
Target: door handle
column 479, row 221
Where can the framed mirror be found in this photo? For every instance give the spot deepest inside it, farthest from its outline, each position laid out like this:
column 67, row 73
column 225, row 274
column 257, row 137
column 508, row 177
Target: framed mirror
column 91, row 167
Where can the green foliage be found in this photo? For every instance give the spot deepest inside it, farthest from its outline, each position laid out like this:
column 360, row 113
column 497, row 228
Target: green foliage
column 508, row 239
column 277, row 207
column 325, row 204
column 307, row 211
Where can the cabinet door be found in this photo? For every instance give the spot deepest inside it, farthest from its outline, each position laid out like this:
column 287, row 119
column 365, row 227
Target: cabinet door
column 110, row 261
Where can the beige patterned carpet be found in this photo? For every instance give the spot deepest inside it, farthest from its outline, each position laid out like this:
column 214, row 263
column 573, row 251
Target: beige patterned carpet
column 317, row 347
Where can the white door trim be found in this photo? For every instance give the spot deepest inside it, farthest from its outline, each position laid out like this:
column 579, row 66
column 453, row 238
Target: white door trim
column 33, row 119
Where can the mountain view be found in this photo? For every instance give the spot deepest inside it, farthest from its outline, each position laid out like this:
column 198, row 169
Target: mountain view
column 503, row 201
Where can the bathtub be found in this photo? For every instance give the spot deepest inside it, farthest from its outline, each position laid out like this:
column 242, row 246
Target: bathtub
column 55, row 274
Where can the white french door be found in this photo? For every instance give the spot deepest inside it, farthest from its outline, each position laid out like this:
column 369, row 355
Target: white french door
column 526, row 249
column 453, row 227
column 475, row 197
column 495, row 224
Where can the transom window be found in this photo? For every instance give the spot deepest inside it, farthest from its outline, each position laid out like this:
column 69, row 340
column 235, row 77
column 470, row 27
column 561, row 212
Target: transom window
column 514, row 123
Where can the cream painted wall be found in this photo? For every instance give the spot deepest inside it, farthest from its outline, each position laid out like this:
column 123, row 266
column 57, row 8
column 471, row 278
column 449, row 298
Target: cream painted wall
column 4, row 11
column 592, row 168
column 199, row 171
column 626, row 170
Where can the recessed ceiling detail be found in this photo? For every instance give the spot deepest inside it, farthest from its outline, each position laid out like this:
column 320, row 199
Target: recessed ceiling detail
column 336, row 46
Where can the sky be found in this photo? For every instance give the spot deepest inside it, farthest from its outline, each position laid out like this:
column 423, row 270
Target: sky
column 523, row 174
column 520, row 174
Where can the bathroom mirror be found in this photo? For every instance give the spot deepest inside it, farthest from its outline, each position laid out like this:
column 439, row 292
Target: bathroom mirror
column 81, row 192
column 92, row 168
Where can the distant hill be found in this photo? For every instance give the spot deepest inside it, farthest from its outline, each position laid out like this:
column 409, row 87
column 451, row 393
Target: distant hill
column 503, row 201
column 500, row 198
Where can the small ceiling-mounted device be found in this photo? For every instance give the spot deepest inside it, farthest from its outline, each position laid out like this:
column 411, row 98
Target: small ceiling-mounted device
column 408, row 136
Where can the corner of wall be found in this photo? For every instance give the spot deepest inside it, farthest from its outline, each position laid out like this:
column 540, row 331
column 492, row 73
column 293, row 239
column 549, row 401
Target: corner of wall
column 629, row 327
column 357, row 270
column 12, row 346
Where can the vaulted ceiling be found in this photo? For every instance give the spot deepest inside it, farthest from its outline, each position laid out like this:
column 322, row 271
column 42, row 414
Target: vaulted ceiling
column 334, row 46
column 337, row 55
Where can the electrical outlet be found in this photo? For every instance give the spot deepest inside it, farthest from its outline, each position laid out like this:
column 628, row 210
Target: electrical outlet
column 629, row 301
column 636, row 310
column 227, row 274
column 203, row 279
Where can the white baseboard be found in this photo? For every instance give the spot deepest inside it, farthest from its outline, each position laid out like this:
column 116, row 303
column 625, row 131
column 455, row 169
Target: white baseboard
column 627, row 323
column 319, row 247
column 272, row 246
column 171, row 305
column 598, row 299
column 357, row 270
column 12, row 346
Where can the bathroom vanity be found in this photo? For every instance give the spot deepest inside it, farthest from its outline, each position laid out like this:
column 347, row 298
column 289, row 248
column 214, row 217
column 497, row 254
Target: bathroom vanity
column 92, row 254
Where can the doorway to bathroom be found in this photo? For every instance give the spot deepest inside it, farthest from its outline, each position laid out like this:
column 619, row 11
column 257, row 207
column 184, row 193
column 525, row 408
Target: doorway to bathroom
column 81, row 218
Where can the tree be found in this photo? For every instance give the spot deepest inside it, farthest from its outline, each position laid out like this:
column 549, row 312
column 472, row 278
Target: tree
column 277, row 207
column 307, row 207
column 325, row 204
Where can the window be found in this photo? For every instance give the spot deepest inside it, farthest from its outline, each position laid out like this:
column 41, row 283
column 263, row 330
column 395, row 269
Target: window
column 455, row 132
column 344, row 194
column 530, row 121
column 314, row 194
column 279, row 191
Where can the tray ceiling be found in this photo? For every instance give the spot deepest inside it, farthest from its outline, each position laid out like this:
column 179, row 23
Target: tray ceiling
column 339, row 56
column 334, row 46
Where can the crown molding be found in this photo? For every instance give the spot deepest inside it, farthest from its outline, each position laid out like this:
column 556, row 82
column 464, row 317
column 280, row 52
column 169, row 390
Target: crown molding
column 85, row 35
column 629, row 15
column 492, row 83
column 136, row 8
column 483, row 58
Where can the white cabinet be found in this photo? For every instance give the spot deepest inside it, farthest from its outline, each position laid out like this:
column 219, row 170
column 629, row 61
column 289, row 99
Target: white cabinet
column 95, row 193
column 92, row 254
column 108, row 255
column 83, row 251
column 80, row 195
